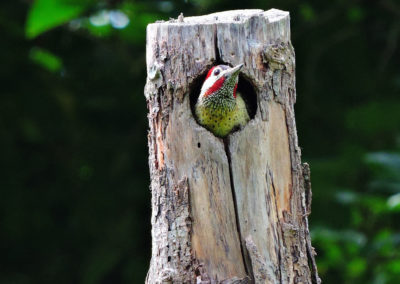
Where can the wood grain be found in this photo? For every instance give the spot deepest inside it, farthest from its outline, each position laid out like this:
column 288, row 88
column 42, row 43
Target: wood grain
column 233, row 210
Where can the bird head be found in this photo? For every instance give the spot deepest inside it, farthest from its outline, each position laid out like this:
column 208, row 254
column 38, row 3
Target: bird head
column 221, row 81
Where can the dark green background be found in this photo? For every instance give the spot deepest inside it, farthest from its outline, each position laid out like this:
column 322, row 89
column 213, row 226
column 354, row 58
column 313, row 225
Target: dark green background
column 74, row 181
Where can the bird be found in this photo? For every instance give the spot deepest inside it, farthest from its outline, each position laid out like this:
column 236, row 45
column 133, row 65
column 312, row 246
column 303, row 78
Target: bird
column 219, row 107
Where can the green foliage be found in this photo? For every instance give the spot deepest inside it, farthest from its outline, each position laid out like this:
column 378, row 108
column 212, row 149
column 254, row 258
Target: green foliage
column 46, row 59
column 373, row 239
column 74, row 180
column 355, row 14
column 307, row 12
column 374, row 118
column 47, row 14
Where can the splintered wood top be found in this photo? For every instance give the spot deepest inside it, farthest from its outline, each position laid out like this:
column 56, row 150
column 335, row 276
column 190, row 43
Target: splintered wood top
column 239, row 16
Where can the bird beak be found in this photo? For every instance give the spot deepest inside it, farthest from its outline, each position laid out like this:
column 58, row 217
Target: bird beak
column 233, row 71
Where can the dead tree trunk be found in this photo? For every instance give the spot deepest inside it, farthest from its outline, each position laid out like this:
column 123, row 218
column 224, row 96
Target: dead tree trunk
column 232, row 210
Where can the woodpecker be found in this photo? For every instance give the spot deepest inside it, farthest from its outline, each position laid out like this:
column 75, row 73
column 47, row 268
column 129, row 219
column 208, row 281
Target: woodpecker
column 219, row 107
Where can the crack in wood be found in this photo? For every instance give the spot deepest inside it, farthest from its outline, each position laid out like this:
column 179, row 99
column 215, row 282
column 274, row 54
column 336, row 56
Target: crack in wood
column 217, row 54
column 248, row 267
column 247, row 263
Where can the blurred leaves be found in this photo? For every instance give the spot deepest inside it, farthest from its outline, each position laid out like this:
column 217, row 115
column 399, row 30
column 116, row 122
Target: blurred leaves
column 375, row 237
column 355, row 14
column 46, row 59
column 375, row 118
column 47, row 14
column 389, row 161
column 307, row 12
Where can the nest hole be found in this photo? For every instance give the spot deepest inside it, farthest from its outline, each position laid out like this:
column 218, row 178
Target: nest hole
column 245, row 88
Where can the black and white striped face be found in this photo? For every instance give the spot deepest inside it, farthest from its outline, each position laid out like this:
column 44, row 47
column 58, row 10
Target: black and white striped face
column 220, row 77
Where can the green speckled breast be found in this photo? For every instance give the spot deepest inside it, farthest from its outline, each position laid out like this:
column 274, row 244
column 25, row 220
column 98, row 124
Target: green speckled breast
column 222, row 121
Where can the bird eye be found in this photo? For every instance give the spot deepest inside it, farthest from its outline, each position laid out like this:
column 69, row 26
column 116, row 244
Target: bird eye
column 216, row 72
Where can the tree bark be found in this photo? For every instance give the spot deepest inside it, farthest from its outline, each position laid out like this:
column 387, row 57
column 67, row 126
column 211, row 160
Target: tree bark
column 230, row 210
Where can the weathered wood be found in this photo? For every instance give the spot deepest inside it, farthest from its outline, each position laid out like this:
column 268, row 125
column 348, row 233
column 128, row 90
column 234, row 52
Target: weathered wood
column 226, row 211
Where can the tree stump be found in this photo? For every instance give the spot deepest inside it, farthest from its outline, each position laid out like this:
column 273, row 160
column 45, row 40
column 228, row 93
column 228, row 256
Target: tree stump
column 230, row 210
